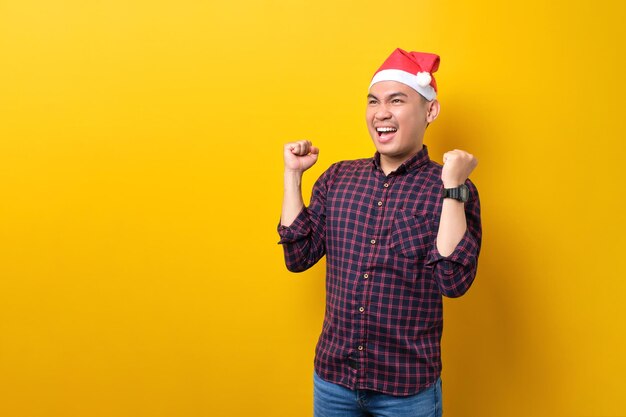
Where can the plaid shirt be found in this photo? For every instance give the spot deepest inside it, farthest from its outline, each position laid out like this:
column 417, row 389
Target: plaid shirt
column 384, row 275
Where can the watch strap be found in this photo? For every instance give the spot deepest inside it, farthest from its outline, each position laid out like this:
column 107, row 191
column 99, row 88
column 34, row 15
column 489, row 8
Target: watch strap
column 460, row 193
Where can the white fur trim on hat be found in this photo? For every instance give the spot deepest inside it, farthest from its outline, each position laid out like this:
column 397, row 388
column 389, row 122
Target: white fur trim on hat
column 416, row 82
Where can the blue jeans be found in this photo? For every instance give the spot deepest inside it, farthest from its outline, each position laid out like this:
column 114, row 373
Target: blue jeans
column 331, row 400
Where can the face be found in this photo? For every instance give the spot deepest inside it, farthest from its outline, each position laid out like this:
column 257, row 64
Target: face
column 397, row 117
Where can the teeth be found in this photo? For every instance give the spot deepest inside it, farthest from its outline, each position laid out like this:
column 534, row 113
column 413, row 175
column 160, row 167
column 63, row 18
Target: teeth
column 385, row 129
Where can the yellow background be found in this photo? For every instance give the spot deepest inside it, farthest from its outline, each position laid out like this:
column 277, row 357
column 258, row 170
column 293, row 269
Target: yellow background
column 140, row 187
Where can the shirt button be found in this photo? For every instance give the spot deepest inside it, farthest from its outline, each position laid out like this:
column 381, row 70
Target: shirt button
column 386, row 185
column 361, row 309
column 380, row 203
column 373, row 241
column 366, row 276
column 360, row 347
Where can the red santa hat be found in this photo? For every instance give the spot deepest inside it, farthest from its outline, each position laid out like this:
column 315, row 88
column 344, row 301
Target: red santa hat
column 414, row 69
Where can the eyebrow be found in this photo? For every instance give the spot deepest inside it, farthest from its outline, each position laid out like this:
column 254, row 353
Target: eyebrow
column 390, row 96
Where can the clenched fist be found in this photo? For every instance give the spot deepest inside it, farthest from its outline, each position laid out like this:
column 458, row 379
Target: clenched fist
column 300, row 156
column 457, row 166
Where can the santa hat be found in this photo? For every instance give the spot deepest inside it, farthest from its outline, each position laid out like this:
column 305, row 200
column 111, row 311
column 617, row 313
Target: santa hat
column 414, row 69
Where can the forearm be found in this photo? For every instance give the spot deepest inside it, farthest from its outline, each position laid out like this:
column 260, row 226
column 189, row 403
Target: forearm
column 457, row 166
column 292, row 197
column 456, row 269
column 302, row 229
column 452, row 226
column 454, row 257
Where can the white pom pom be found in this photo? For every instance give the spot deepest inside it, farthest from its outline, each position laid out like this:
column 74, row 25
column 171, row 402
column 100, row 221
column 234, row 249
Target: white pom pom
column 423, row 79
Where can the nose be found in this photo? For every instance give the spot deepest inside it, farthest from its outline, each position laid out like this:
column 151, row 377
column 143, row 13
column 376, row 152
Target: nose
column 382, row 113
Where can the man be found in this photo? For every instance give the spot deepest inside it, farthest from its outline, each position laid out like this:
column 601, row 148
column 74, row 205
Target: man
column 398, row 231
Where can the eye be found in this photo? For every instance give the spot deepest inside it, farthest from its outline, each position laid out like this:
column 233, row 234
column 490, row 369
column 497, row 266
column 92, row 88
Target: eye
column 396, row 101
column 371, row 101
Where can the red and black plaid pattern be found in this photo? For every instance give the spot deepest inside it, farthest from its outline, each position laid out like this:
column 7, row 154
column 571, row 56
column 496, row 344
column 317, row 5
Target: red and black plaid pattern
column 385, row 278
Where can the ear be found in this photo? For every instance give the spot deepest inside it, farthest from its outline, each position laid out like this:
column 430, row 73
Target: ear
column 432, row 111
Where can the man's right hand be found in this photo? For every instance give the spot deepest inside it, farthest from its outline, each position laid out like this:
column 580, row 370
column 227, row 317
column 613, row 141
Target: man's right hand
column 300, row 156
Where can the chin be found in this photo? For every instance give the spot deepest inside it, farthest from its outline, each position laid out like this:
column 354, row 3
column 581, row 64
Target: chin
column 388, row 149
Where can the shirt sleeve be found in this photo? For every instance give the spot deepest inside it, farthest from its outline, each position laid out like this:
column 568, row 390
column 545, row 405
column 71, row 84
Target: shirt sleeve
column 455, row 273
column 304, row 241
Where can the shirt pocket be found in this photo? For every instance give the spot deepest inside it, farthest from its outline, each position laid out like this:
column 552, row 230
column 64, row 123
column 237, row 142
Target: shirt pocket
column 411, row 234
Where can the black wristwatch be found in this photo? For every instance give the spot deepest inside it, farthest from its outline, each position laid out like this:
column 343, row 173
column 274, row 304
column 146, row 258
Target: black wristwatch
column 460, row 193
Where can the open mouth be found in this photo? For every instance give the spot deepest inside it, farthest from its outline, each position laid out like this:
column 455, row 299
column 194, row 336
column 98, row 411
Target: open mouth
column 386, row 133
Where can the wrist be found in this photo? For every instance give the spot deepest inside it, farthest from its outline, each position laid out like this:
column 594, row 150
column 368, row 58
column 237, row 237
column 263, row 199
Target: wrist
column 293, row 172
column 452, row 183
column 292, row 180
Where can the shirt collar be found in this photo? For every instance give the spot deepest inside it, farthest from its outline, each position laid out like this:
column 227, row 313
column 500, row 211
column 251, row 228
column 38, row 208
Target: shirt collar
column 411, row 164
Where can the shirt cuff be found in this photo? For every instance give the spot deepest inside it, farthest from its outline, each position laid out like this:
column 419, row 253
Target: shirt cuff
column 465, row 254
column 297, row 230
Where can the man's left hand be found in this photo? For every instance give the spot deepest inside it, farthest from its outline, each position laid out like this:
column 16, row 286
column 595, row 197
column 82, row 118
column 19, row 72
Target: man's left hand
column 457, row 166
